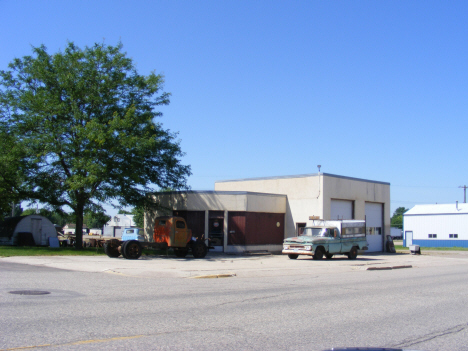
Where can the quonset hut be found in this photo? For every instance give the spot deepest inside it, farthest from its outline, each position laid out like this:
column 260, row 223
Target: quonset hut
column 14, row 230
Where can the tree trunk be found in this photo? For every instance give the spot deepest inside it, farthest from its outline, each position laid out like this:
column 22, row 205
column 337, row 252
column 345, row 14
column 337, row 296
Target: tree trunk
column 79, row 226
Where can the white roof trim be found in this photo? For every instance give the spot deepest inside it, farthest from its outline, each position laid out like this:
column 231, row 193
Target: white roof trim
column 438, row 209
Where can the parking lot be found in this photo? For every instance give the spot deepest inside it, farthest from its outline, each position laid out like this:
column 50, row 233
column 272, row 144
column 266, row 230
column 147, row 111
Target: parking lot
column 239, row 265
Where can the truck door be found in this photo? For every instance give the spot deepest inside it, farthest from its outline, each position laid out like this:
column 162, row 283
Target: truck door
column 334, row 245
column 180, row 234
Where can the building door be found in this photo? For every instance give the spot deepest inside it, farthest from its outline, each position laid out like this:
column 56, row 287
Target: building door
column 409, row 238
column 236, row 228
column 216, row 230
column 341, row 209
column 374, row 225
column 36, row 230
column 118, row 232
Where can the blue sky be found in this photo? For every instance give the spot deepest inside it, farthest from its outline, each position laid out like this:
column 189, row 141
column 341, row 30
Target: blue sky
column 367, row 89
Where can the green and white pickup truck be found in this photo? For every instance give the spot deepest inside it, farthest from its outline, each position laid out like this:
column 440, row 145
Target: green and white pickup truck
column 327, row 238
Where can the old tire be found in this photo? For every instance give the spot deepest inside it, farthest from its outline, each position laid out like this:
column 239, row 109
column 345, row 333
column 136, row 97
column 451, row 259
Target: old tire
column 329, row 256
column 199, row 249
column 353, row 253
column 111, row 251
column 133, row 250
column 122, row 249
column 180, row 252
column 293, row 256
column 318, row 255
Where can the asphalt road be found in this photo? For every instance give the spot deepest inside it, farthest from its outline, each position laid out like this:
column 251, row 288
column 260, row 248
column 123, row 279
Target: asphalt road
column 272, row 303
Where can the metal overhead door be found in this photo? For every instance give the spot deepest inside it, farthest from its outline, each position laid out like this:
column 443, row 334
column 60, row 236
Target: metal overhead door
column 341, row 209
column 374, row 224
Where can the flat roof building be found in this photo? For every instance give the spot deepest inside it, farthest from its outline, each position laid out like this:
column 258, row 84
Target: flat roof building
column 258, row 213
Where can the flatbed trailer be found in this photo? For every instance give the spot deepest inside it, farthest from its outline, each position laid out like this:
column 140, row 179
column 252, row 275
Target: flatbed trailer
column 170, row 232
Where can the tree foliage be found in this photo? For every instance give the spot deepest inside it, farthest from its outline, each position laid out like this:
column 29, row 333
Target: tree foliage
column 138, row 216
column 96, row 219
column 397, row 218
column 11, row 172
column 85, row 120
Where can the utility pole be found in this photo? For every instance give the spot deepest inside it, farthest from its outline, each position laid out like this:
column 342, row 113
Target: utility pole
column 464, row 190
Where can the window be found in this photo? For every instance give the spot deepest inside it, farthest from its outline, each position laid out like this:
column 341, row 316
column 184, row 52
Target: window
column 180, row 224
column 454, row 236
column 300, row 228
column 433, row 236
column 374, row 230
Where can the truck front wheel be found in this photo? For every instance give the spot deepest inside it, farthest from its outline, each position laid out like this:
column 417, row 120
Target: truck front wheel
column 122, row 249
column 199, row 249
column 133, row 250
column 318, row 255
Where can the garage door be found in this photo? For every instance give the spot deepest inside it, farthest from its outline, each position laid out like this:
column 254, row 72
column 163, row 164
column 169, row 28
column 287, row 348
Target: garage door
column 341, row 209
column 374, row 223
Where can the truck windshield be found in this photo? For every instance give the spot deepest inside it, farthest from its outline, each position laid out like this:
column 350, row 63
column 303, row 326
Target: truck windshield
column 314, row 232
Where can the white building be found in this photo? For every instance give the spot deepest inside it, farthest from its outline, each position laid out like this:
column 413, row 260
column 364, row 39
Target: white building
column 247, row 211
column 440, row 225
column 117, row 224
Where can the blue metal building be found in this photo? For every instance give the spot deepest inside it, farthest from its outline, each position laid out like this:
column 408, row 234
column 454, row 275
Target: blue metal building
column 444, row 225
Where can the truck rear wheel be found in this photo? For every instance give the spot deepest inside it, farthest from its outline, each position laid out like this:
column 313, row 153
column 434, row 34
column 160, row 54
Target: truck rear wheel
column 180, row 252
column 293, row 256
column 132, row 250
column 199, row 249
column 353, row 253
column 111, row 251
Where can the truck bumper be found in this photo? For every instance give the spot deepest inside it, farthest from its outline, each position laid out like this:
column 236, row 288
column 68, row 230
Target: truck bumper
column 297, row 252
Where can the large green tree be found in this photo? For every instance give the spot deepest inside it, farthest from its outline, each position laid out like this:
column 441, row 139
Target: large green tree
column 86, row 119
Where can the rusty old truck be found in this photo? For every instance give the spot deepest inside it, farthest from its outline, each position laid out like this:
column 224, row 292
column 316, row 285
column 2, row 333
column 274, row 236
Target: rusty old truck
column 170, row 232
column 324, row 238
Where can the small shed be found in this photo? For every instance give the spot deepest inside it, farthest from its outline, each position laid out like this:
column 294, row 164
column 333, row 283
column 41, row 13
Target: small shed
column 39, row 226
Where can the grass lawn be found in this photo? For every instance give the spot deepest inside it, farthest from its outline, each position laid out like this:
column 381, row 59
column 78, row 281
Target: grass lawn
column 403, row 248
column 9, row 251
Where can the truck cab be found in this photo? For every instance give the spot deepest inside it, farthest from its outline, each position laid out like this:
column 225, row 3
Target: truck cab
column 133, row 234
column 328, row 238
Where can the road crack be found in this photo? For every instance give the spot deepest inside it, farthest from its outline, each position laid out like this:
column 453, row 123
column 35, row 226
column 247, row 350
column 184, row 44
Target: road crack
column 454, row 330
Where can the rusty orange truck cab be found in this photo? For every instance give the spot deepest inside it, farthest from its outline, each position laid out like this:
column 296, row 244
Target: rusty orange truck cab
column 172, row 231
column 169, row 232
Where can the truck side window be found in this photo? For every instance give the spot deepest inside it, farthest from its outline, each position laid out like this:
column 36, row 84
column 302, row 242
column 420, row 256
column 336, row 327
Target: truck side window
column 180, row 224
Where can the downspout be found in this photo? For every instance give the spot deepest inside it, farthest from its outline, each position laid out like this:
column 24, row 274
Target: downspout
column 318, row 166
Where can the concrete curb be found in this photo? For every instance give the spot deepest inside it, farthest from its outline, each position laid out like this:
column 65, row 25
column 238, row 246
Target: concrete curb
column 228, row 275
column 387, row 268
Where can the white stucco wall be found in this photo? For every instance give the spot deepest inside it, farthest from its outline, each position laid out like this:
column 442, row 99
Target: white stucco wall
column 311, row 195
